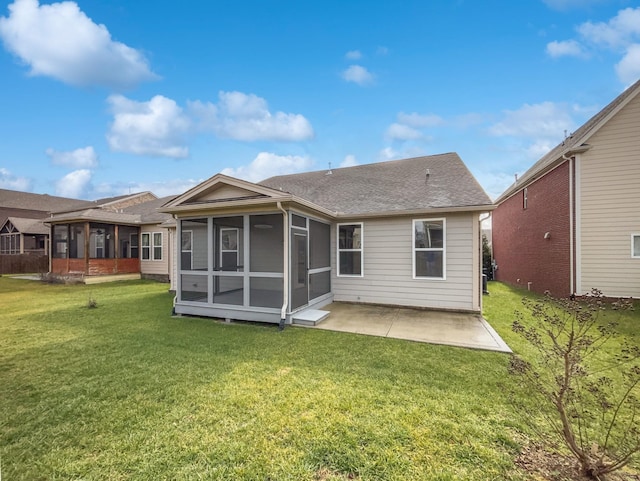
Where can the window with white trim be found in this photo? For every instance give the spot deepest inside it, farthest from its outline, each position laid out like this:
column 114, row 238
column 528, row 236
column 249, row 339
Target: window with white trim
column 151, row 246
column 350, row 245
column 157, row 246
column 635, row 246
column 429, row 248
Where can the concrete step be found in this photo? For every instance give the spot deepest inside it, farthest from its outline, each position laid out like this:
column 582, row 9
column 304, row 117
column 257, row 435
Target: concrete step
column 309, row 317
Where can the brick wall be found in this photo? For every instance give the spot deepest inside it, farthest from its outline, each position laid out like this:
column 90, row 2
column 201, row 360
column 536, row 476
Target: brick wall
column 96, row 267
column 520, row 250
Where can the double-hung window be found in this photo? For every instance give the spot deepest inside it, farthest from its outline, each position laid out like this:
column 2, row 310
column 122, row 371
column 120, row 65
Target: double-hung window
column 157, row 246
column 429, row 254
column 350, row 245
column 151, row 246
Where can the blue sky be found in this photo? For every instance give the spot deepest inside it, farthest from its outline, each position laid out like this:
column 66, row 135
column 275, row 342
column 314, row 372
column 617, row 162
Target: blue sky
column 100, row 98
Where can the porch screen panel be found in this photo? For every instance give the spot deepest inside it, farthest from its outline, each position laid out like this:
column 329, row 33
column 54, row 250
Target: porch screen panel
column 60, row 241
column 76, row 241
column 128, row 242
column 194, row 288
column 228, row 290
column 229, row 243
column 319, row 284
column 194, row 250
column 102, row 238
column 266, row 292
column 319, row 245
column 267, row 243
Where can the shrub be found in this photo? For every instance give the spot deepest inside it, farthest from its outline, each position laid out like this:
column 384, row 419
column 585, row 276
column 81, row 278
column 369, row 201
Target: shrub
column 586, row 382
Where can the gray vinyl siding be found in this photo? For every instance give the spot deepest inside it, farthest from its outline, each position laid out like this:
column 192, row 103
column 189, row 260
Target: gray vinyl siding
column 388, row 267
column 609, row 176
column 160, row 267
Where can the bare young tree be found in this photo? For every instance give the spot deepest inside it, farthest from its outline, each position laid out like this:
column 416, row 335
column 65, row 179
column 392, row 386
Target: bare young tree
column 585, row 382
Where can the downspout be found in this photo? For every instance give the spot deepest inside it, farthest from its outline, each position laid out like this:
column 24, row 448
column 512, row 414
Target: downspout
column 571, row 233
column 285, row 284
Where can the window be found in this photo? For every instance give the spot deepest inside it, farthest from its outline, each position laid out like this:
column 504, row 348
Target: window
column 524, row 198
column 350, row 249
column 635, row 245
column 146, row 246
column 229, row 249
column 429, row 248
column 157, row 246
column 186, row 249
column 151, row 245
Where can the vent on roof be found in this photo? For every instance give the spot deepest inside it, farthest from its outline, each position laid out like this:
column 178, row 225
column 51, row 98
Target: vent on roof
column 329, row 171
column 428, row 173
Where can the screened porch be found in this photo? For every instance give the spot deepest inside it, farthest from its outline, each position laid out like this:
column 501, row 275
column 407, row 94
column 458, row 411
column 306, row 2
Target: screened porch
column 234, row 266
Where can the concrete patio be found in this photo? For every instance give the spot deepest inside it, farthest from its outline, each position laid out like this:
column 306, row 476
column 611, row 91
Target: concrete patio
column 435, row 327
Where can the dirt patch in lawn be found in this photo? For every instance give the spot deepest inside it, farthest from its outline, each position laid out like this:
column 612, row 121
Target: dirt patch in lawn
column 550, row 466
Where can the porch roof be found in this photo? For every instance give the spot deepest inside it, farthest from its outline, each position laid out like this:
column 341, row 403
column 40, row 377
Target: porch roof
column 28, row 226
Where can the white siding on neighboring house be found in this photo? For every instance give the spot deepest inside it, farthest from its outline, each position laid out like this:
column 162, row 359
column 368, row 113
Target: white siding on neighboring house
column 151, row 266
column 388, row 266
column 609, row 189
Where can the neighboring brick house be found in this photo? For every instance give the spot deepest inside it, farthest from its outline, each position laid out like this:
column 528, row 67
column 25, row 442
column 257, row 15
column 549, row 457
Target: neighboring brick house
column 572, row 221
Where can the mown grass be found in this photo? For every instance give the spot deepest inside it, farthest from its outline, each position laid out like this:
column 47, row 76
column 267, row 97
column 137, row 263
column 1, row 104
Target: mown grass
column 125, row 391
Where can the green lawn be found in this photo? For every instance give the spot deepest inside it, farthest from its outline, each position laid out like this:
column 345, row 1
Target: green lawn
column 125, row 391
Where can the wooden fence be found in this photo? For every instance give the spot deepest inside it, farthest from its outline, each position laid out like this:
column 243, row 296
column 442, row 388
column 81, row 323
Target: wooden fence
column 23, row 264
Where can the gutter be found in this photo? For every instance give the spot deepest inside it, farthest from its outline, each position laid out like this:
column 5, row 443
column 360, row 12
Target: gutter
column 285, row 285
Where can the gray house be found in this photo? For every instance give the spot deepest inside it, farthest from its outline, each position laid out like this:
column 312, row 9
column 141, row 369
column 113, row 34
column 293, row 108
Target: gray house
column 402, row 233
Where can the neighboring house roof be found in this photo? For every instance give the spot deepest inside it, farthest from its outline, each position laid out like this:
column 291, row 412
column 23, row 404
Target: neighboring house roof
column 39, row 202
column 27, row 226
column 417, row 184
column 144, row 212
column 573, row 144
column 148, row 211
column 95, row 215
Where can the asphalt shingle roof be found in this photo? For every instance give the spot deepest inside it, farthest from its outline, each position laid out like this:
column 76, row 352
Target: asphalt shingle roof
column 29, row 226
column 148, row 211
column 41, row 202
column 387, row 187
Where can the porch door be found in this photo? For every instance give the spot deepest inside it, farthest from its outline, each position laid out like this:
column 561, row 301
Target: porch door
column 299, row 269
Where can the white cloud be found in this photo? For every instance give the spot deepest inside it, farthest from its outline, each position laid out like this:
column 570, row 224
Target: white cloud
column 628, row 69
column 75, row 184
column 620, row 31
column 84, row 158
column 349, row 161
column 267, row 164
column 246, row 117
column 417, row 120
column 155, row 128
column 546, row 120
column 357, row 74
column 353, row 55
column 402, row 132
column 565, row 48
column 620, row 34
column 388, row 154
column 60, row 41
column 12, row 182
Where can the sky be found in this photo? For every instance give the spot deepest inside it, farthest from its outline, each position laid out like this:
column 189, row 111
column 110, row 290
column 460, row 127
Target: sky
column 102, row 98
